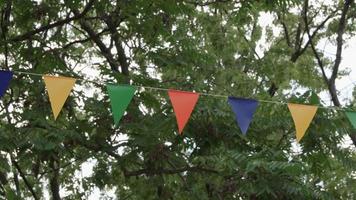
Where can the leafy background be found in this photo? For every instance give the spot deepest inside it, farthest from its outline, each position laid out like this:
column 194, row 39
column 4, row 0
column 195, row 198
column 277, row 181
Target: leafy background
column 214, row 47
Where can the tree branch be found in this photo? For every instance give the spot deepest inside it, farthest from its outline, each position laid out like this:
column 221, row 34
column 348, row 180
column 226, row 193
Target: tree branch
column 54, row 179
column 149, row 171
column 300, row 50
column 5, row 21
column 122, row 58
column 310, row 38
column 285, row 29
column 29, row 34
column 339, row 40
column 96, row 39
column 27, row 183
column 339, row 44
column 197, row 3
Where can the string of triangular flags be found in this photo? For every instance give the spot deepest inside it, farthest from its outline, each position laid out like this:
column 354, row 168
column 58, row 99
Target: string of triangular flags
column 183, row 102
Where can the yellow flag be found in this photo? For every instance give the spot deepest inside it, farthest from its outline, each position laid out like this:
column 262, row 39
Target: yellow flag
column 58, row 89
column 302, row 116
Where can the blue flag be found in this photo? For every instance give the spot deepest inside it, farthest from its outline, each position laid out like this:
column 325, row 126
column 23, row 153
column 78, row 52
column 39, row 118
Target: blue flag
column 5, row 78
column 244, row 110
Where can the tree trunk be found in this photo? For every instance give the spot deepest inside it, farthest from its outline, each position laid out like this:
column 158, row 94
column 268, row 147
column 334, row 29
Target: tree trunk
column 54, row 179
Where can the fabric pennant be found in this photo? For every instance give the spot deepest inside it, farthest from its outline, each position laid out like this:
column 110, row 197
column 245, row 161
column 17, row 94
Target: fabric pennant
column 120, row 98
column 244, row 110
column 302, row 116
column 351, row 115
column 5, row 78
column 58, row 88
column 183, row 104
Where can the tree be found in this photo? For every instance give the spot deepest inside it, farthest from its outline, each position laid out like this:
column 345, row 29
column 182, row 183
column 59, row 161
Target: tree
column 206, row 46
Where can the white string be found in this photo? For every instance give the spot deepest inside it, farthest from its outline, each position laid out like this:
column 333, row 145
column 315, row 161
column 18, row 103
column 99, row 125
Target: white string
column 203, row 94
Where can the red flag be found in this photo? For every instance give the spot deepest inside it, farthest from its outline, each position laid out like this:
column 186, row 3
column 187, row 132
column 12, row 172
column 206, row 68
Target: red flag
column 183, row 104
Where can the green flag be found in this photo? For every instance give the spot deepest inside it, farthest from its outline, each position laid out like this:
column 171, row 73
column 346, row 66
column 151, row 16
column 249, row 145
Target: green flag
column 120, row 97
column 314, row 99
column 352, row 117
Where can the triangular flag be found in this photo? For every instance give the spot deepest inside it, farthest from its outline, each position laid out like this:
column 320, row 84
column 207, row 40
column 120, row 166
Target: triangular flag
column 314, row 99
column 302, row 116
column 352, row 117
column 183, row 104
column 5, row 78
column 120, row 97
column 244, row 110
column 58, row 88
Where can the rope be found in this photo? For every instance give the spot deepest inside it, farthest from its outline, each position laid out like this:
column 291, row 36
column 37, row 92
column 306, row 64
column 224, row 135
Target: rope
column 201, row 93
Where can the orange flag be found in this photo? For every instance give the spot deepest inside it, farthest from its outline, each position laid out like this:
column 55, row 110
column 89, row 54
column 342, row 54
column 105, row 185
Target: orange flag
column 302, row 116
column 58, row 89
column 183, row 104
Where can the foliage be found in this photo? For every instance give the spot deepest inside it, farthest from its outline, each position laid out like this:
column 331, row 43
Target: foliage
column 206, row 46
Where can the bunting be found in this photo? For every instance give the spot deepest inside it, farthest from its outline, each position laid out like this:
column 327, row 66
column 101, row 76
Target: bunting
column 5, row 78
column 302, row 116
column 244, row 110
column 183, row 104
column 120, row 98
column 58, row 88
